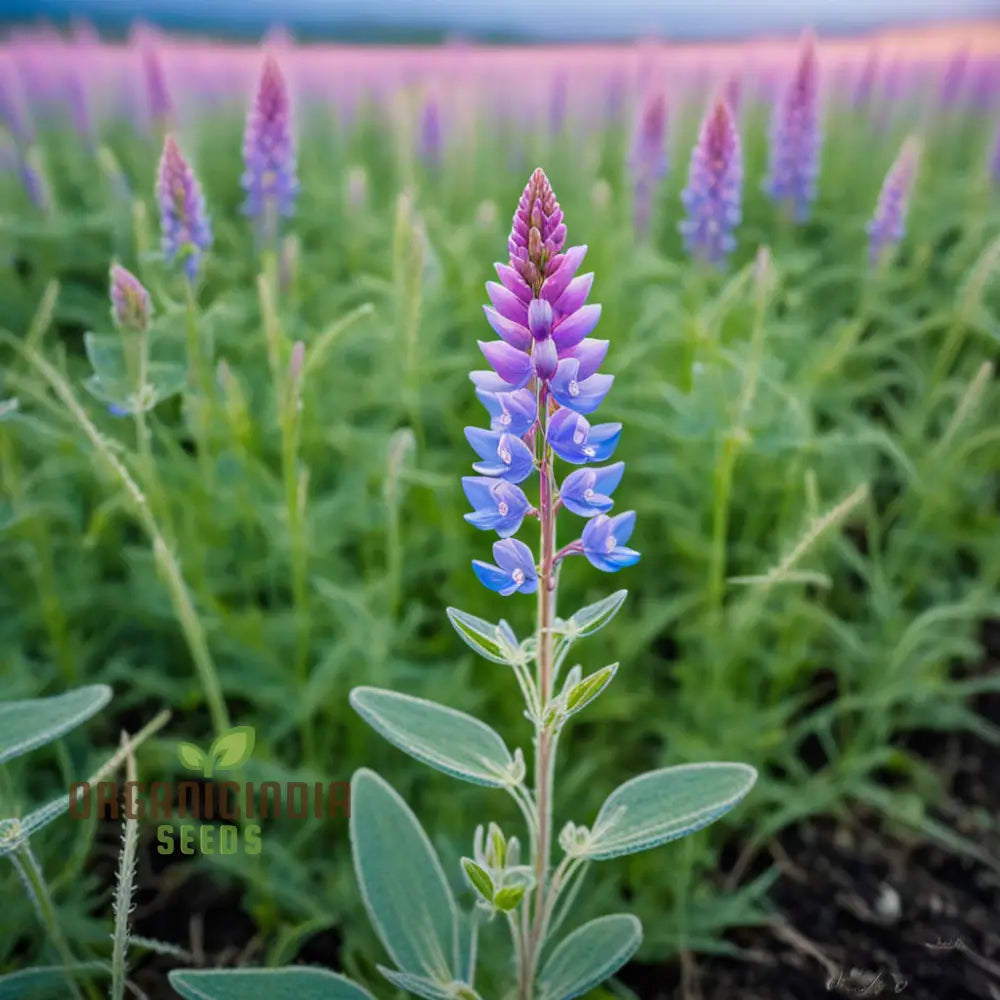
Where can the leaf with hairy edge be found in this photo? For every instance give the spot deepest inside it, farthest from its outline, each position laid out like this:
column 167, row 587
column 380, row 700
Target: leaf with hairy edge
column 430, row 989
column 663, row 805
column 440, row 737
column 584, row 692
column 594, row 617
column 402, row 883
column 265, row 984
column 494, row 642
column 33, row 722
column 588, row 956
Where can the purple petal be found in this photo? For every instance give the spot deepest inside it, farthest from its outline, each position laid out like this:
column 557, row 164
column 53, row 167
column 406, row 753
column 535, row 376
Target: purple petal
column 507, row 303
column 572, row 329
column 558, row 282
column 512, row 333
column 512, row 365
column 574, row 296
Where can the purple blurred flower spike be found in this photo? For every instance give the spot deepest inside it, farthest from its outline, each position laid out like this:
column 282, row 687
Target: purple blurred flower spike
column 795, row 138
column 268, row 153
column 130, row 306
column 715, row 187
column 186, row 230
column 888, row 225
column 648, row 158
column 161, row 108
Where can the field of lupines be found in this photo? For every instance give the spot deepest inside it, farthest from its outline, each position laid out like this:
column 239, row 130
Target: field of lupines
column 243, row 290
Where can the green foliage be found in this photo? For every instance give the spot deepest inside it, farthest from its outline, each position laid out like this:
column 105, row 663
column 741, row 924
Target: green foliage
column 813, row 457
column 588, row 956
column 265, row 984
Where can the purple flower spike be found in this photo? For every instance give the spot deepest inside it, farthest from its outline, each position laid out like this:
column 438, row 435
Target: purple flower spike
column 497, row 505
column 587, row 492
column 161, row 108
column 513, row 412
column 795, row 138
column 648, row 158
column 268, row 153
column 714, row 189
column 888, row 224
column 503, row 455
column 186, row 232
column 603, row 542
column 130, row 306
column 515, row 569
column 431, row 133
column 582, row 395
column 574, row 440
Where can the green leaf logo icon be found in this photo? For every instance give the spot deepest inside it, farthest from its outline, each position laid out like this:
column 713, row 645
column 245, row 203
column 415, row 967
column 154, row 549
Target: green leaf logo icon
column 191, row 756
column 227, row 752
column 230, row 750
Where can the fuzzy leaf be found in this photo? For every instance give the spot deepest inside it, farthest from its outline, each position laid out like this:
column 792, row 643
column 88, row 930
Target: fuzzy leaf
column 664, row 805
column 421, row 986
column 509, row 898
column 45, row 982
column 584, row 692
column 33, row 722
column 589, row 956
column 594, row 617
column 440, row 737
column 232, row 748
column 14, row 832
column 403, row 886
column 265, row 984
column 479, row 879
column 494, row 642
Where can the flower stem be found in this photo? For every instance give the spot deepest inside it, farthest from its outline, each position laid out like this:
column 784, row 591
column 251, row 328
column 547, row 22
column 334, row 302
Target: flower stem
column 545, row 736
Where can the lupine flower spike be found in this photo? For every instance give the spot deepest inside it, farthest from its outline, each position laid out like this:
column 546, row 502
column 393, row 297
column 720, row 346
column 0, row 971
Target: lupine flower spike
column 648, row 159
column 795, row 138
column 544, row 378
column 714, row 189
column 130, row 308
column 888, row 225
column 268, row 154
column 185, row 226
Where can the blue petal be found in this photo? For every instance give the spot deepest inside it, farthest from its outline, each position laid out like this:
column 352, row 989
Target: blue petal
column 494, row 578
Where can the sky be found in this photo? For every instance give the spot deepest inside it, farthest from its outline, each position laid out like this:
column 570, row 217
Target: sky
column 541, row 19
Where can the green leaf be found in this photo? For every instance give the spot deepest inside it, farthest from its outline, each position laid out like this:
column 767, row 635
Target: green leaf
column 590, row 955
column 593, row 617
column 191, row 756
column 663, row 805
column 14, row 832
column 106, row 353
column 583, row 693
column 440, row 737
column 33, row 722
column 421, row 986
column 509, row 898
column 232, row 748
column 403, row 886
column 265, row 984
column 494, row 642
column 46, row 982
column 479, row 878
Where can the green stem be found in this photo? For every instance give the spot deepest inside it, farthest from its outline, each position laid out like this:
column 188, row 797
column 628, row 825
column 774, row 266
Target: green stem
column 34, row 881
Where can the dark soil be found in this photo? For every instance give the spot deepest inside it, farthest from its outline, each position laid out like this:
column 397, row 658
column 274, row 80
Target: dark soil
column 863, row 907
column 865, row 910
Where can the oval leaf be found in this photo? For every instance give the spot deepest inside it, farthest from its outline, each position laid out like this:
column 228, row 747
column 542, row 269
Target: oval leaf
column 589, row 955
column 663, row 805
column 581, row 694
column 191, row 756
column 403, row 886
column 48, row 982
column 428, row 988
column 441, row 737
column 33, row 722
column 593, row 617
column 265, row 984
column 493, row 642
